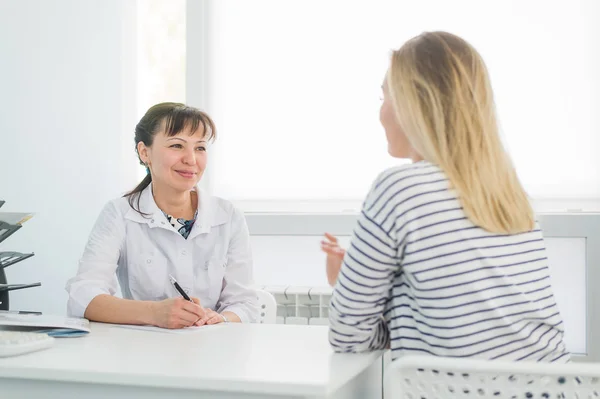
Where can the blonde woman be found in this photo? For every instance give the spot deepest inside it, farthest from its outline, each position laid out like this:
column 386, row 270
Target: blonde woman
column 446, row 258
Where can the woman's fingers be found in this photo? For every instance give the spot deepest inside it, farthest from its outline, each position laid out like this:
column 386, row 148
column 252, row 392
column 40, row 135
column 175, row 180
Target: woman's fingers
column 331, row 237
column 328, row 250
column 329, row 245
column 332, row 249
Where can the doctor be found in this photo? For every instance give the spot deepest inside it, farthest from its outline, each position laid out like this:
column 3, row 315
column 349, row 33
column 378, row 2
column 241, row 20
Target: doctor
column 167, row 226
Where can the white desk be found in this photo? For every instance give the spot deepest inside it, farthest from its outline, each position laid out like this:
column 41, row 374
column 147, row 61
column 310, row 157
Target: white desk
column 223, row 361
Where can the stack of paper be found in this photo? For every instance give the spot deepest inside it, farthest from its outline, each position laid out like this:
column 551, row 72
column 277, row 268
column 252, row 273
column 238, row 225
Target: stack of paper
column 56, row 326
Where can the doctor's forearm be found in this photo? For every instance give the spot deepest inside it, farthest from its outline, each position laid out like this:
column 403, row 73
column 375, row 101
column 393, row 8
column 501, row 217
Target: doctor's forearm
column 110, row 309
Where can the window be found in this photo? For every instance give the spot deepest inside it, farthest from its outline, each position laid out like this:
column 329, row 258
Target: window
column 161, row 54
column 294, row 88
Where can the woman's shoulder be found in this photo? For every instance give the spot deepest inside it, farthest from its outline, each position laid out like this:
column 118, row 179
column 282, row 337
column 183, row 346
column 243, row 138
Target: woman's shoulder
column 403, row 175
column 396, row 185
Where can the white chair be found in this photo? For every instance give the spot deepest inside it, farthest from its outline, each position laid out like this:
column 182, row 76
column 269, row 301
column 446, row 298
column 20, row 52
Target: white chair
column 267, row 306
column 430, row 377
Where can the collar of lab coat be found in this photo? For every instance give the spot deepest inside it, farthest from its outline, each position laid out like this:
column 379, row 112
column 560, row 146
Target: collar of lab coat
column 209, row 212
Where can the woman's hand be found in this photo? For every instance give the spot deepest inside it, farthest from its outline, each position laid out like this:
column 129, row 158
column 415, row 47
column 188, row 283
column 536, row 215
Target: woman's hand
column 335, row 256
column 177, row 313
column 210, row 317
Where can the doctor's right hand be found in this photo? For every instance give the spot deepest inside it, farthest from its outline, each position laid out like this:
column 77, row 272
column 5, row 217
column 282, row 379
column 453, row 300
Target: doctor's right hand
column 176, row 313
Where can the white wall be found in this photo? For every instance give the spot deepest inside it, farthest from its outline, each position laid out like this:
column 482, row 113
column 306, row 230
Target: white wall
column 67, row 85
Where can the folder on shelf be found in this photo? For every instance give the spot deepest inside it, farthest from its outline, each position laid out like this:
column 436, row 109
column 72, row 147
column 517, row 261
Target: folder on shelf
column 7, row 229
column 11, row 222
column 11, row 257
column 14, row 287
column 17, row 218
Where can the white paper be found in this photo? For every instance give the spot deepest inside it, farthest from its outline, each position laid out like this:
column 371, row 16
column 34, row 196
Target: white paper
column 47, row 321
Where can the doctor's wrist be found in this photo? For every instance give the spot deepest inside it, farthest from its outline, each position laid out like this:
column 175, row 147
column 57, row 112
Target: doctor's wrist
column 231, row 317
column 149, row 314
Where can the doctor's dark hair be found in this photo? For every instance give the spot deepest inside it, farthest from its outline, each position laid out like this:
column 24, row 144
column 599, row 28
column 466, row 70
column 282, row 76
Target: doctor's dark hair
column 172, row 118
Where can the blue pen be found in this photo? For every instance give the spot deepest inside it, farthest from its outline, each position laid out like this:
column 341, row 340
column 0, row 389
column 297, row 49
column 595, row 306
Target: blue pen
column 179, row 289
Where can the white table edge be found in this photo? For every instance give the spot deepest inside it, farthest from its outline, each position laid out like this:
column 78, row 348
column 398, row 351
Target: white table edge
column 170, row 382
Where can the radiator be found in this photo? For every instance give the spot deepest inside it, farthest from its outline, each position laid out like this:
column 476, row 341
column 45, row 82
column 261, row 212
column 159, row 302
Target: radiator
column 309, row 305
column 301, row 305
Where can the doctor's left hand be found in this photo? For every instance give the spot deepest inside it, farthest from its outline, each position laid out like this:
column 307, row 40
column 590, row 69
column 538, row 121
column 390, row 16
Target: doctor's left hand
column 210, row 317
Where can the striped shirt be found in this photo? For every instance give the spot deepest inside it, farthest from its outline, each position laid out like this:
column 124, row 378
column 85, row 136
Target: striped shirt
column 420, row 277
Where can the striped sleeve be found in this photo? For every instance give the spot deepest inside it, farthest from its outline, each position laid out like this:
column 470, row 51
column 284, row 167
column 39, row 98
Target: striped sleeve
column 363, row 286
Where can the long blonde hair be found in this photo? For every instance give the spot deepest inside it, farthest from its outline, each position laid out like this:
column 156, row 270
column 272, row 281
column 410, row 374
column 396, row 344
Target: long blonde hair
column 443, row 100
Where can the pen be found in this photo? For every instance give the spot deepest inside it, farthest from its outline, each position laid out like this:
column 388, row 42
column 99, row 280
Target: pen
column 179, row 289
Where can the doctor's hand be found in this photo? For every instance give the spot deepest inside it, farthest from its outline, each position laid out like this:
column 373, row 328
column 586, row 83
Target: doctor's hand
column 335, row 256
column 210, row 317
column 177, row 313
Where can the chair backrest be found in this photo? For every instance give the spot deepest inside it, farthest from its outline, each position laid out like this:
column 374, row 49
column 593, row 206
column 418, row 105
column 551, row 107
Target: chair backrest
column 430, row 377
column 267, row 307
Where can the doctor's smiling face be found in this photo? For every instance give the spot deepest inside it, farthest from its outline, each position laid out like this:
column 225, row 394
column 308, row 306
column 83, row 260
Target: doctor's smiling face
column 177, row 161
column 172, row 141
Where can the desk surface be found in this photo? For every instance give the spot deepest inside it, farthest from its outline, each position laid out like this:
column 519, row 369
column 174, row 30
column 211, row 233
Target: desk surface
column 254, row 358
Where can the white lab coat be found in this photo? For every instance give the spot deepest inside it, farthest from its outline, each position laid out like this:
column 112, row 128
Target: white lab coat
column 213, row 264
